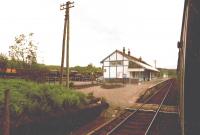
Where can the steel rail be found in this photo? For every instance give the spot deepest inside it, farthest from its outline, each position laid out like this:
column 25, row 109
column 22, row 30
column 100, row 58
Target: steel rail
column 124, row 120
column 152, row 121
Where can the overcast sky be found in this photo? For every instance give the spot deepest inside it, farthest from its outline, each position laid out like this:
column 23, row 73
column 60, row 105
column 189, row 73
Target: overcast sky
column 149, row 28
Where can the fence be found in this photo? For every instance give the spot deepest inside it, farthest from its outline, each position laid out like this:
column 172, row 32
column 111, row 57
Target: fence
column 6, row 113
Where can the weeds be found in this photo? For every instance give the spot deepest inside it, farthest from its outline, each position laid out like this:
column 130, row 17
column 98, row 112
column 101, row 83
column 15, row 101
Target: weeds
column 33, row 98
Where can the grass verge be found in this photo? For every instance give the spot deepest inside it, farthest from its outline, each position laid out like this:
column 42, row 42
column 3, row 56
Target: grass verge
column 33, row 98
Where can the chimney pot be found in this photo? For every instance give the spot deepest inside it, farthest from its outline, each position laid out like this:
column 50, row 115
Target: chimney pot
column 124, row 50
column 129, row 53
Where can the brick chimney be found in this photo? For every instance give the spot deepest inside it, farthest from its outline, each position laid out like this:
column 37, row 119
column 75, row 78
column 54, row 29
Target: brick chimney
column 129, row 53
column 123, row 50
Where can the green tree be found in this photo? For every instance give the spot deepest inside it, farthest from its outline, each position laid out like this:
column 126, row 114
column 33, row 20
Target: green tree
column 89, row 69
column 3, row 61
column 24, row 50
column 13, row 63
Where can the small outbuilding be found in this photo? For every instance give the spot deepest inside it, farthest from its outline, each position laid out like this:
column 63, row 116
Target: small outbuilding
column 122, row 67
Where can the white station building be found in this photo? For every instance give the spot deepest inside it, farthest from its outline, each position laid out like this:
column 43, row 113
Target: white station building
column 119, row 66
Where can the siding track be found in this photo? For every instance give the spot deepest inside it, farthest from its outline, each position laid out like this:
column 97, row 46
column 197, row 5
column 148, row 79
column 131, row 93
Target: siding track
column 137, row 122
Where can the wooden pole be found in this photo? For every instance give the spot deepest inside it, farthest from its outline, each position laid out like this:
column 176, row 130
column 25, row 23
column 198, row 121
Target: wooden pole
column 6, row 120
column 63, row 47
column 66, row 6
column 67, row 59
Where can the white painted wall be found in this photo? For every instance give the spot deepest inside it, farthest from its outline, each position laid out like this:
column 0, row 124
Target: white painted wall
column 126, row 71
column 119, row 56
column 112, row 70
column 106, row 63
column 113, row 57
column 120, row 72
column 106, row 72
column 126, row 62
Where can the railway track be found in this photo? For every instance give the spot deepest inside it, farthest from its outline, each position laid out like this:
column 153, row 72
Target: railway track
column 137, row 122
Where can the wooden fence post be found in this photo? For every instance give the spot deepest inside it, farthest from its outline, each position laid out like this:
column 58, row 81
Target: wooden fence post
column 6, row 120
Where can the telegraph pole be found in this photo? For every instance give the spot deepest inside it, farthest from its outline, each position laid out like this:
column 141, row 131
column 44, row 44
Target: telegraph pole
column 63, row 44
column 67, row 51
column 65, row 7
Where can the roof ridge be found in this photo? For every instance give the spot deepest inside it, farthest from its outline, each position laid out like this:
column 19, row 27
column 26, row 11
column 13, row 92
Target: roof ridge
column 129, row 57
column 133, row 57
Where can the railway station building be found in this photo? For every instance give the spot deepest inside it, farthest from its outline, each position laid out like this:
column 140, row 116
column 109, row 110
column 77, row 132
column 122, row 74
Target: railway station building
column 120, row 66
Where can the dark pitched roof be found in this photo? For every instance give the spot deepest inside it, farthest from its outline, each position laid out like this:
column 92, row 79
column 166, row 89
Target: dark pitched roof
column 127, row 56
column 108, row 56
column 132, row 58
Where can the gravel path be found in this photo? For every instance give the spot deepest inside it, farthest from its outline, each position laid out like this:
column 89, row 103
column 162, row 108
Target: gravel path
column 121, row 97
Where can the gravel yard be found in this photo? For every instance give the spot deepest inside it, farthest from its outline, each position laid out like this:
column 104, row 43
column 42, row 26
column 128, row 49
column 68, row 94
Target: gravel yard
column 121, row 97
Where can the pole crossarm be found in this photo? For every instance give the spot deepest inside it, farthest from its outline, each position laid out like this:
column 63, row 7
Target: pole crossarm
column 67, row 5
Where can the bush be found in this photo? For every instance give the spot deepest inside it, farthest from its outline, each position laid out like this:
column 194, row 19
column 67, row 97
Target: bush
column 32, row 98
column 3, row 61
column 71, row 84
